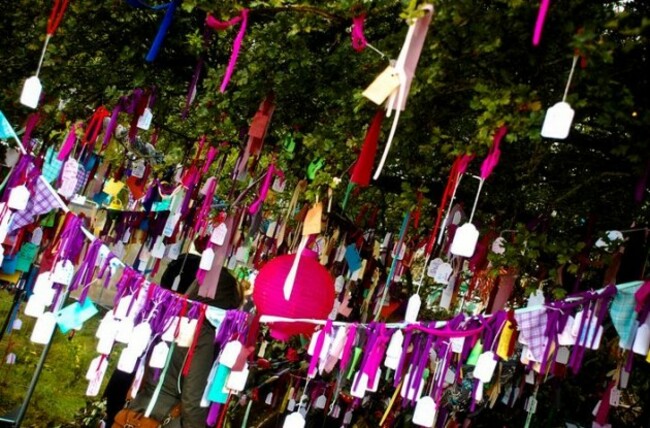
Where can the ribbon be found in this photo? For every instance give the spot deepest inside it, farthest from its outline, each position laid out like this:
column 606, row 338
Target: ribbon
column 56, row 15
column 94, row 126
column 264, row 190
column 359, row 41
column 32, row 121
column 539, row 23
column 164, row 25
column 215, row 24
column 492, row 159
column 68, row 144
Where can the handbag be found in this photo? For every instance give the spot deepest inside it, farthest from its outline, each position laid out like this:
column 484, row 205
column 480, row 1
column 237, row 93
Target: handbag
column 127, row 418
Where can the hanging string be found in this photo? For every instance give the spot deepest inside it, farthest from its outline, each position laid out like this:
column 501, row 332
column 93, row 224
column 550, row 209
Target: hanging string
column 568, row 83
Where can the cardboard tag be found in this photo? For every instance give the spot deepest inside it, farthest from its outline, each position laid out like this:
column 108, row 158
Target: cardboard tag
column 159, row 355
column 237, row 380
column 320, row 403
column 219, row 233
column 485, row 366
column 558, row 120
column 124, row 330
column 383, row 85
column 186, row 332
column 230, row 353
column 44, row 328
column 425, row 412
column 413, row 308
column 207, row 257
column 138, row 169
column 128, row 360
column 294, row 420
column 144, row 121
column 536, row 299
column 173, row 251
column 443, row 273
column 433, row 267
column 18, row 198
column 465, row 240
column 411, row 394
column 63, row 272
column 140, row 337
column 31, row 93
column 447, row 294
column 313, row 219
column 241, row 255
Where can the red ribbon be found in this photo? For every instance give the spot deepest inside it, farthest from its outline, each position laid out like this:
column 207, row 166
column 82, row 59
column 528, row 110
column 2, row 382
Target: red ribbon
column 56, row 15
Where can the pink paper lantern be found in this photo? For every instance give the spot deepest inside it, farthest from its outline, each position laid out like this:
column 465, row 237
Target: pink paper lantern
column 312, row 295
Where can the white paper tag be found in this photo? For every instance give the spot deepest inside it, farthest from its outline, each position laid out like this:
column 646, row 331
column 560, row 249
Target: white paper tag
column 425, row 412
column 63, row 272
column 34, row 307
column 279, row 184
column 186, row 332
column 433, row 267
column 18, row 198
column 558, row 120
column 485, row 366
column 563, row 355
column 158, row 250
column 531, row 404
column 457, row 344
column 140, row 337
column 159, row 355
column 566, row 337
column 128, row 360
column 465, row 240
column 138, row 169
column 219, row 233
column 642, row 339
column 206, row 259
column 230, row 353
column 144, row 121
column 443, row 273
column 294, row 420
column 413, row 308
column 170, row 331
column 96, row 377
column 123, row 307
column 44, row 328
column 17, row 324
column 31, row 93
column 37, row 236
column 124, row 330
column 237, row 380
column 173, row 251
column 615, row 397
column 170, row 225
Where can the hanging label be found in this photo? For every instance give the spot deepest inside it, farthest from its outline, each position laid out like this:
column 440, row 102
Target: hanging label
column 383, row 85
column 485, row 366
column 219, row 233
column 124, row 330
column 207, row 257
column 37, row 236
column 128, row 360
column 144, row 121
column 563, row 355
column 433, row 267
column 31, row 93
column 313, row 220
column 159, row 355
column 34, row 307
column 425, row 412
column 230, row 353
column 168, row 333
column 63, row 272
column 237, row 380
column 279, row 184
column 413, row 308
column 465, row 241
column 615, row 397
column 18, row 198
column 558, row 120
column 44, row 328
column 294, row 420
column 158, row 250
column 170, row 225
column 457, row 344
column 96, row 378
column 173, row 251
column 443, row 273
column 186, row 332
column 140, row 337
column 138, row 169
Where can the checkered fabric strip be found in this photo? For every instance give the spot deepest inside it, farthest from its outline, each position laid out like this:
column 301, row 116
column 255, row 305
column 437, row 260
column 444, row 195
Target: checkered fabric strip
column 532, row 326
column 82, row 177
column 623, row 315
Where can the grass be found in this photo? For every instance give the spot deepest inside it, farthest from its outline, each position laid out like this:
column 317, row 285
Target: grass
column 61, row 390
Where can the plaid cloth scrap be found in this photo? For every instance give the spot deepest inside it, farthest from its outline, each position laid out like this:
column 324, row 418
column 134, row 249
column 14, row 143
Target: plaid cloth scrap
column 624, row 316
column 532, row 326
column 41, row 202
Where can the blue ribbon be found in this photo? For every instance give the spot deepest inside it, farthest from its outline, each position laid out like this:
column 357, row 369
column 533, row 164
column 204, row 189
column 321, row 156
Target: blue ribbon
column 164, row 25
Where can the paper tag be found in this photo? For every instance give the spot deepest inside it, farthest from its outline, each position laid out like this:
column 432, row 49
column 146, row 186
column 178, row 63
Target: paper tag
column 411, row 394
column 359, row 385
column 313, row 220
column 557, row 122
column 206, row 259
column 158, row 250
column 563, row 355
column 615, row 397
column 186, row 332
column 383, row 85
column 241, row 255
column 96, row 377
column 63, row 272
column 531, row 404
column 536, row 299
column 170, row 225
column 625, row 378
column 17, row 324
column 118, row 250
column 173, row 251
column 140, row 337
column 413, row 308
column 642, row 339
column 170, row 331
column 530, row 377
column 457, row 344
column 138, row 169
column 37, row 236
column 18, row 198
column 566, row 338
column 144, row 121
column 124, row 330
column 425, row 412
column 219, row 233
column 44, row 328
column 159, row 355
column 128, row 360
column 34, row 307
column 230, row 353
column 237, row 380
column 94, row 366
column 443, row 273
column 294, row 420
column 279, row 184
column 122, row 307
column 312, row 343
column 433, row 267
column 465, row 241
column 31, row 93
column 485, row 366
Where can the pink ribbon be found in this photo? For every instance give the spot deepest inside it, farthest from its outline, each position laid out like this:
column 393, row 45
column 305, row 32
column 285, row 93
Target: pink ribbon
column 68, row 144
column 212, row 153
column 359, row 41
column 492, row 159
column 264, row 190
column 539, row 24
column 223, row 25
